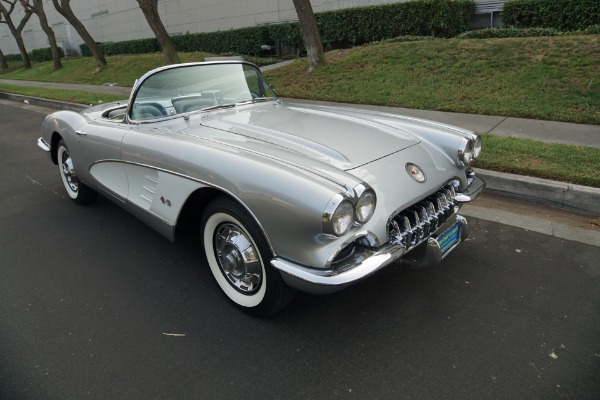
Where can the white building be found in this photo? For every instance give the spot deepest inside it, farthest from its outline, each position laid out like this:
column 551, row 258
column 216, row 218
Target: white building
column 117, row 20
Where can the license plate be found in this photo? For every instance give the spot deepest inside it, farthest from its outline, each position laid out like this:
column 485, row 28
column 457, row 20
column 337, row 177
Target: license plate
column 450, row 238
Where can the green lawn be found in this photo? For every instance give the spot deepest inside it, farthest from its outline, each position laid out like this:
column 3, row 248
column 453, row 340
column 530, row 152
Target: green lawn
column 554, row 78
column 122, row 70
column 72, row 96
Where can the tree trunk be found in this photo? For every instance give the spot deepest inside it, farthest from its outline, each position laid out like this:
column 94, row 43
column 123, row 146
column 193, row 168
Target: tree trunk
column 150, row 10
column 22, row 49
column 310, row 32
column 16, row 32
column 64, row 8
column 38, row 9
column 3, row 63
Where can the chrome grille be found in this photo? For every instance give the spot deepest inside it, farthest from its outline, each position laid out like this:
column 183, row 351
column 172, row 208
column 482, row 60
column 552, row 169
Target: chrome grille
column 418, row 222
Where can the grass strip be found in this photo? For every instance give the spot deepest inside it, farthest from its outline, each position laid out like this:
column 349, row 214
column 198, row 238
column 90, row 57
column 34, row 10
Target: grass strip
column 566, row 163
column 122, row 70
column 72, row 96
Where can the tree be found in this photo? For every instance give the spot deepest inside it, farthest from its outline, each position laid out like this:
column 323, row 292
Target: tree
column 3, row 63
column 5, row 18
column 310, row 32
column 150, row 10
column 38, row 9
column 64, row 8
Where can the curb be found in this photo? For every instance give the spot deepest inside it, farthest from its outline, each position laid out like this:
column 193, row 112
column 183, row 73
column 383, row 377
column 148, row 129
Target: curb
column 568, row 196
column 64, row 105
column 582, row 199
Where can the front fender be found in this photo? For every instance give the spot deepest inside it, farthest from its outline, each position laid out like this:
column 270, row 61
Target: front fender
column 62, row 125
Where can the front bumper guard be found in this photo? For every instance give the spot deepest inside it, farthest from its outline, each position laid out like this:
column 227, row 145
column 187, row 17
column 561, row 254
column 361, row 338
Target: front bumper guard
column 366, row 261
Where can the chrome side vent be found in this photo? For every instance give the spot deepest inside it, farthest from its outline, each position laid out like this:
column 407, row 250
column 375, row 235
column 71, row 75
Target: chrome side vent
column 415, row 224
column 149, row 189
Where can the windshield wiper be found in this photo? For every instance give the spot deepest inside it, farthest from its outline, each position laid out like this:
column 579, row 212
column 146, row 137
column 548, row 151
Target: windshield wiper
column 219, row 106
column 255, row 100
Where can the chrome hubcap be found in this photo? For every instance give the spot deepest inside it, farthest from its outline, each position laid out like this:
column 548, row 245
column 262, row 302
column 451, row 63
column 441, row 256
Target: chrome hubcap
column 69, row 172
column 238, row 258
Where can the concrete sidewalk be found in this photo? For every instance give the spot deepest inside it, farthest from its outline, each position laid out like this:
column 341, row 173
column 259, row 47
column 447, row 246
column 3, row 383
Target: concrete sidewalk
column 557, row 194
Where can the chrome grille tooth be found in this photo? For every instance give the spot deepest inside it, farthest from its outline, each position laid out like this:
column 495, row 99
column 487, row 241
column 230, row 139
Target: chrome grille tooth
column 406, row 230
column 432, row 215
column 425, row 222
column 416, row 228
column 452, row 192
column 444, row 200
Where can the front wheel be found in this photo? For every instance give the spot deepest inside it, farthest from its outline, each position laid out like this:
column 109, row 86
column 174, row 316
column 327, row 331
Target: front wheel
column 77, row 191
column 238, row 256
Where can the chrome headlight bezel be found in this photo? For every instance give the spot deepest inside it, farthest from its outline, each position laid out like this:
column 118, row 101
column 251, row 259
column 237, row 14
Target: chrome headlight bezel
column 469, row 149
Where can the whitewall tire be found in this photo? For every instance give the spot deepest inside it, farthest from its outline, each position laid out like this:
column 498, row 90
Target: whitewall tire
column 77, row 191
column 238, row 257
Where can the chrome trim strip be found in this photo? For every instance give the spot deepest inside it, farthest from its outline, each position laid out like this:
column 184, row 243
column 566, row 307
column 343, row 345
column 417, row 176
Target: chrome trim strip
column 149, row 189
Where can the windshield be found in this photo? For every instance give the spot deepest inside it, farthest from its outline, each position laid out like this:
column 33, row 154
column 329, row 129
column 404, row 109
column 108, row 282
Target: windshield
column 199, row 87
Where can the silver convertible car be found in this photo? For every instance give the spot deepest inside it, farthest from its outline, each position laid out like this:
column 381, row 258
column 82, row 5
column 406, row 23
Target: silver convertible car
column 286, row 197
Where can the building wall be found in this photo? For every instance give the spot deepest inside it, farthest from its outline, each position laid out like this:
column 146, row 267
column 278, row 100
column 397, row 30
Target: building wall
column 117, row 20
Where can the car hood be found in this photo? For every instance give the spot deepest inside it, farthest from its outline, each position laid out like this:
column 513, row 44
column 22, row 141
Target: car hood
column 341, row 138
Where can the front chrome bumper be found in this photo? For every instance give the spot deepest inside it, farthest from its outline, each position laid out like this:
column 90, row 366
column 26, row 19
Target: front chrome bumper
column 366, row 261
column 43, row 145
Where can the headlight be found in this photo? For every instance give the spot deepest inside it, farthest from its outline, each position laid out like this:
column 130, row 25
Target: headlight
column 342, row 218
column 365, row 206
column 466, row 151
column 477, row 147
column 338, row 216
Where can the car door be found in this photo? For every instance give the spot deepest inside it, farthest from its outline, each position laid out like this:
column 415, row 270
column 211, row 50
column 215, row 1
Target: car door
column 100, row 152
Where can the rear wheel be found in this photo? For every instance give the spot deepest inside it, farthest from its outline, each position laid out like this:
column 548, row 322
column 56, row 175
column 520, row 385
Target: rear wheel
column 77, row 191
column 238, row 256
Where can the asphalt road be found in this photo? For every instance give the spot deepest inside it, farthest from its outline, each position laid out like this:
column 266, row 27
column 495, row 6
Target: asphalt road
column 90, row 299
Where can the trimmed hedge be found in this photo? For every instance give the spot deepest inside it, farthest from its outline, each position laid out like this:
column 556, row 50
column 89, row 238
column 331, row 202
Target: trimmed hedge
column 564, row 15
column 489, row 33
column 13, row 57
column 139, row 46
column 340, row 28
column 243, row 41
column 353, row 26
column 45, row 54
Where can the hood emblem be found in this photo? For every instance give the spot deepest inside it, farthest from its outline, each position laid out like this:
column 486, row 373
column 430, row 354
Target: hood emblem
column 415, row 172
